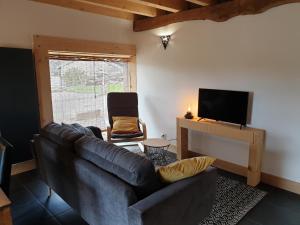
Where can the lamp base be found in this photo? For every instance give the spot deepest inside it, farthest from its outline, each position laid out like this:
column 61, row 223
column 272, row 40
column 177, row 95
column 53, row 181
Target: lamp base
column 189, row 115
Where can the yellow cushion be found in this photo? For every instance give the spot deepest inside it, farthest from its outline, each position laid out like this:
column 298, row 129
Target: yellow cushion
column 125, row 125
column 185, row 168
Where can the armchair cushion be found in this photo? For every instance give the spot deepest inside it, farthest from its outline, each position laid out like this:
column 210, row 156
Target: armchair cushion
column 122, row 104
column 125, row 125
column 133, row 135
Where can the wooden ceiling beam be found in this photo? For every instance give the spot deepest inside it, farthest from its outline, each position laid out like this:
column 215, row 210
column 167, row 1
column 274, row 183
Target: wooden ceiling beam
column 88, row 8
column 124, row 6
column 167, row 5
column 219, row 13
column 202, row 2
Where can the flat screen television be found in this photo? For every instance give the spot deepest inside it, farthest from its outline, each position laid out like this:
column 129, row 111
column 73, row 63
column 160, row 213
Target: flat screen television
column 223, row 105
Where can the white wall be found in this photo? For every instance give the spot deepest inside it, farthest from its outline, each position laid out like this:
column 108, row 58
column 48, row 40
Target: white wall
column 260, row 54
column 20, row 19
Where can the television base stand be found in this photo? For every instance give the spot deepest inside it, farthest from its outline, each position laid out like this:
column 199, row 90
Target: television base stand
column 254, row 137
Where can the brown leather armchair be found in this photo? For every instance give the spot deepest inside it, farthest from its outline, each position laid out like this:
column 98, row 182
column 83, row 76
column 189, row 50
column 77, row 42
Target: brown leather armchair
column 124, row 104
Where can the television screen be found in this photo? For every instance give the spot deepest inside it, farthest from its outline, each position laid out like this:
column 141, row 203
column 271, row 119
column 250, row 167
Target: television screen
column 223, row 105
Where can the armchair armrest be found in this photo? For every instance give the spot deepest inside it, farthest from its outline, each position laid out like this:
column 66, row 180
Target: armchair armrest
column 108, row 130
column 144, row 128
column 185, row 202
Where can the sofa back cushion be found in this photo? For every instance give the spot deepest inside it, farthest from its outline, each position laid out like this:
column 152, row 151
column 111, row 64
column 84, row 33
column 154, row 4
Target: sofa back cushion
column 61, row 135
column 134, row 169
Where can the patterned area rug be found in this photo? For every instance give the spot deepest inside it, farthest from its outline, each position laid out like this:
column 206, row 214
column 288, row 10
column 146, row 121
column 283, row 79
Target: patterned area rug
column 234, row 199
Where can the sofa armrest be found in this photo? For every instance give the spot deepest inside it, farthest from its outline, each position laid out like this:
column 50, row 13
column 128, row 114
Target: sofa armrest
column 184, row 202
column 96, row 131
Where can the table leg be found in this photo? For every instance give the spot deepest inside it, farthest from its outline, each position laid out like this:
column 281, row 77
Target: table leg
column 182, row 143
column 5, row 216
column 255, row 159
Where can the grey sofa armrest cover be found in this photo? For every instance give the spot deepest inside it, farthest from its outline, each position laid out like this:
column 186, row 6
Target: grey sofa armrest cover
column 185, row 202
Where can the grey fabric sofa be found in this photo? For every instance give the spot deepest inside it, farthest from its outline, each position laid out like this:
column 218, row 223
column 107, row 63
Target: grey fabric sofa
column 108, row 185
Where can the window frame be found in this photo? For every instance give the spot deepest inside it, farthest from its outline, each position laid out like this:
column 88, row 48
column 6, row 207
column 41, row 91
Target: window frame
column 43, row 44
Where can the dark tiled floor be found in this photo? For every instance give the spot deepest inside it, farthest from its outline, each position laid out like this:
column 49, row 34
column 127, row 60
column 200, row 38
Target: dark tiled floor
column 32, row 207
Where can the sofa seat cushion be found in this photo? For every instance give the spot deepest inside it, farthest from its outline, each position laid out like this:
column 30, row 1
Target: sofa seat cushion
column 134, row 169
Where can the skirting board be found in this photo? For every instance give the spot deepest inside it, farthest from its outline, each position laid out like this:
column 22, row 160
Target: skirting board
column 272, row 180
column 280, row 182
column 23, row 167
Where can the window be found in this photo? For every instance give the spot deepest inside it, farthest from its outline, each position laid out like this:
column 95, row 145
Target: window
column 49, row 49
column 79, row 89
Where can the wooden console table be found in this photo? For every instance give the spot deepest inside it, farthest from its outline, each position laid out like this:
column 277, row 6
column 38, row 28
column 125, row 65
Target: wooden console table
column 5, row 213
column 254, row 137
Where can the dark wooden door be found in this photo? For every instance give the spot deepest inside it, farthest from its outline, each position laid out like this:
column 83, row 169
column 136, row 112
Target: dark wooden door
column 19, row 116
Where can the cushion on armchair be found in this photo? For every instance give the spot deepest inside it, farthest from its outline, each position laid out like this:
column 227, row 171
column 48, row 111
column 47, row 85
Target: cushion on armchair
column 125, row 125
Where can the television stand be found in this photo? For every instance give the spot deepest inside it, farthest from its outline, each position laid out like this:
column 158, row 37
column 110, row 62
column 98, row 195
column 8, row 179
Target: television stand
column 254, row 137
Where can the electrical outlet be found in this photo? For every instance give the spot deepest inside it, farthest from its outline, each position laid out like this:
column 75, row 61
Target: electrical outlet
column 164, row 136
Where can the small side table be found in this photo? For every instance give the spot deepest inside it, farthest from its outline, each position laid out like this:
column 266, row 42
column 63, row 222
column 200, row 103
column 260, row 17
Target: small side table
column 156, row 150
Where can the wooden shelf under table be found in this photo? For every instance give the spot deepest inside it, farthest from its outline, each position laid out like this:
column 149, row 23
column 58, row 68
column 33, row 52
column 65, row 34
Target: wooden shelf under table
column 253, row 136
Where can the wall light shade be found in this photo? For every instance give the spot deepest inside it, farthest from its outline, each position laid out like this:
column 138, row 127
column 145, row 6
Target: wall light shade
column 165, row 40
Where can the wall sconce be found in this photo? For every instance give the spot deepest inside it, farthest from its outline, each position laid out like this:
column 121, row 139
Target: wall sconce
column 165, row 40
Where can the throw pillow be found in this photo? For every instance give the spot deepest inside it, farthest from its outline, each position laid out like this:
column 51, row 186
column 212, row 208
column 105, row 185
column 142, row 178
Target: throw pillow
column 125, row 125
column 185, row 168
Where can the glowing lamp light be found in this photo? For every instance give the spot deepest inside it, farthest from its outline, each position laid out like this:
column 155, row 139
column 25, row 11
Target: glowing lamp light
column 189, row 109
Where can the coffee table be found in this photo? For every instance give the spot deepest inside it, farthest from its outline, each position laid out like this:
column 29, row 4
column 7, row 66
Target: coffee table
column 156, row 149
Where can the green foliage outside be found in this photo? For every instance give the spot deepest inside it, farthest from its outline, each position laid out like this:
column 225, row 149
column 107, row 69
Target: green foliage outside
column 92, row 89
column 84, row 89
column 74, row 77
column 76, row 81
column 115, row 88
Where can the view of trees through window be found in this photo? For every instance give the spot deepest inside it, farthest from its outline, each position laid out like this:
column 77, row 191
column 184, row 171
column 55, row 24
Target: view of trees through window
column 79, row 89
